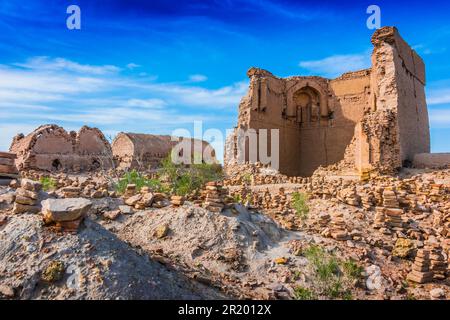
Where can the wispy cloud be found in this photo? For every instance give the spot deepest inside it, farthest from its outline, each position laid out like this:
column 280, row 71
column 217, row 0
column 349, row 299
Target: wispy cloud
column 198, row 78
column 132, row 66
column 438, row 96
column 440, row 118
column 60, row 64
column 336, row 65
column 72, row 94
column 146, row 103
column 9, row 130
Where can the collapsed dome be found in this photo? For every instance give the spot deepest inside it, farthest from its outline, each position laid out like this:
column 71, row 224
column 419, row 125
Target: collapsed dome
column 146, row 151
column 52, row 148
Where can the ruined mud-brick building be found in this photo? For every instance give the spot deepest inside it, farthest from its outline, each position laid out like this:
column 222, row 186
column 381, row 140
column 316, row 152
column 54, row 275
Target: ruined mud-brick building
column 146, row 151
column 52, row 148
column 374, row 119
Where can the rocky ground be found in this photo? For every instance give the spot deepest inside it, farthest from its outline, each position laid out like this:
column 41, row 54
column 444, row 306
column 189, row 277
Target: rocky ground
column 185, row 251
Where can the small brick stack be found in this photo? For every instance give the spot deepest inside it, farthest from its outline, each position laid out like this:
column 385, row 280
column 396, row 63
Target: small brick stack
column 214, row 200
column 421, row 268
column 27, row 196
column 438, row 264
column 8, row 169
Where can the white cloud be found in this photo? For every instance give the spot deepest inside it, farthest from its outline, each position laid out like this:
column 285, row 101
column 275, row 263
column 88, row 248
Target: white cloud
column 336, row 65
column 46, row 63
column 439, row 118
column 198, row 78
column 132, row 66
column 225, row 97
column 54, row 93
column 146, row 103
column 8, row 131
column 57, row 83
column 438, row 96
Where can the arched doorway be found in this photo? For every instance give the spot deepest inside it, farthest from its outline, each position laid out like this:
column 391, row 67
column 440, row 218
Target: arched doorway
column 307, row 106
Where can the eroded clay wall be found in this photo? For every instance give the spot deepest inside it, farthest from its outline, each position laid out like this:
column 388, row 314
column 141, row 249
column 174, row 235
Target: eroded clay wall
column 337, row 106
column 413, row 123
column 146, row 151
column 374, row 119
column 50, row 147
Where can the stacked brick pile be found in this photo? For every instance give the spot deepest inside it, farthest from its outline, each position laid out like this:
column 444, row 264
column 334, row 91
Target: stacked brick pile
column 214, row 197
column 27, row 197
column 8, row 170
column 421, row 268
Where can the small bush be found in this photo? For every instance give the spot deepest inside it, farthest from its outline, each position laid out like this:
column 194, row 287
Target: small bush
column 183, row 179
column 299, row 204
column 136, row 178
column 247, row 178
column 352, row 269
column 301, row 293
column 333, row 276
column 48, row 183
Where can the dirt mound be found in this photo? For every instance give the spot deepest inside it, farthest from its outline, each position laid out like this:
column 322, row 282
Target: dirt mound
column 196, row 235
column 36, row 263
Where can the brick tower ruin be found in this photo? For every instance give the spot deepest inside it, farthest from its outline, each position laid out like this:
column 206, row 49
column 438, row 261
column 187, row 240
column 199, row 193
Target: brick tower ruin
column 373, row 119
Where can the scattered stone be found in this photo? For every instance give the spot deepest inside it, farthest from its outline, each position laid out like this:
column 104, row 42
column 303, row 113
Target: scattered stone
column 61, row 210
column 133, row 200
column 281, row 260
column 30, row 185
column 374, row 279
column 3, row 219
column 177, row 200
column 126, row 209
column 162, row 231
column 403, row 248
column 437, row 293
column 6, row 291
column 71, row 192
column 111, row 215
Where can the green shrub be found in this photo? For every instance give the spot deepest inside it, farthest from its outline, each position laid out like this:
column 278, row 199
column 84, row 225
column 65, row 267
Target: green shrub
column 185, row 184
column 333, row 276
column 247, row 178
column 299, row 204
column 48, row 183
column 186, row 179
column 352, row 269
column 136, row 178
column 301, row 293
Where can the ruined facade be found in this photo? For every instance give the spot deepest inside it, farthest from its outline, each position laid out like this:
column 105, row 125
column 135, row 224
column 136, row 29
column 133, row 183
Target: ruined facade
column 145, row 151
column 374, row 119
column 52, row 148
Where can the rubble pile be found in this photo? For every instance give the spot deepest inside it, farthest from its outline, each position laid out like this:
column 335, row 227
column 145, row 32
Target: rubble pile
column 143, row 199
column 90, row 185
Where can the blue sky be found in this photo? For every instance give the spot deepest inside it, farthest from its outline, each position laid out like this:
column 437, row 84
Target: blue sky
column 155, row 66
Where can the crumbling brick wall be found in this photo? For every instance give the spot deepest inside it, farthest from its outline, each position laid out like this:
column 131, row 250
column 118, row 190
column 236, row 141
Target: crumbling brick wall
column 51, row 148
column 146, row 151
column 374, row 119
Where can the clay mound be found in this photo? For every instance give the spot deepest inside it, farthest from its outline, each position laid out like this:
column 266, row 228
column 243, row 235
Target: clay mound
column 195, row 235
column 97, row 266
